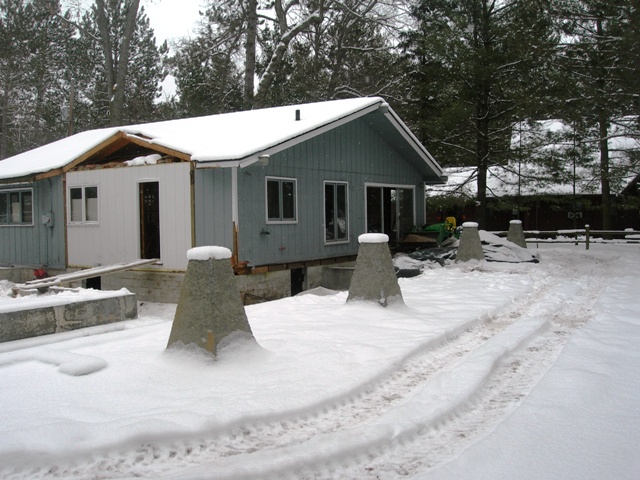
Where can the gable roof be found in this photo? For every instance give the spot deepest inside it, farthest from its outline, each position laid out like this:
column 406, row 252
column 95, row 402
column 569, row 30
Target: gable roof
column 231, row 139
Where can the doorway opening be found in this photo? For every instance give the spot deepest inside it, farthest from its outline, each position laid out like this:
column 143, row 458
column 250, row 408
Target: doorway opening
column 150, row 220
column 390, row 210
column 297, row 280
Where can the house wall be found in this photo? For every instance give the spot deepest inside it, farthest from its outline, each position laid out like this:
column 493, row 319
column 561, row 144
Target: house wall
column 353, row 153
column 116, row 236
column 213, row 207
column 37, row 244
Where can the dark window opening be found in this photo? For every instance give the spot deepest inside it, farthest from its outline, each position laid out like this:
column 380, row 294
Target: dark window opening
column 281, row 200
column 336, row 212
column 94, row 282
column 297, row 281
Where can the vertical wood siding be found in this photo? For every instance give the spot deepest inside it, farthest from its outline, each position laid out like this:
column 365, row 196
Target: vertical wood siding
column 352, row 153
column 37, row 244
column 214, row 225
column 116, row 236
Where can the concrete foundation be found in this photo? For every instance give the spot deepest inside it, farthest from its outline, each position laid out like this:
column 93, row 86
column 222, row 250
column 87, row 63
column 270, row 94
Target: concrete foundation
column 516, row 233
column 209, row 308
column 470, row 247
column 338, row 277
column 161, row 286
column 374, row 278
column 45, row 320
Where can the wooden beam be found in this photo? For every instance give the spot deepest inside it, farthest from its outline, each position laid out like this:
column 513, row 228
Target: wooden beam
column 309, row 263
column 109, row 142
column 143, row 142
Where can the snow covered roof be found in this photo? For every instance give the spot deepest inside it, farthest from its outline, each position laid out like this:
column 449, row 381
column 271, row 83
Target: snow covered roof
column 526, row 175
column 503, row 181
column 231, row 139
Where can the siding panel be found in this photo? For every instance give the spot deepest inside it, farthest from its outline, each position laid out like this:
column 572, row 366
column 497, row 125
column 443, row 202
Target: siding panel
column 37, row 244
column 353, row 153
column 116, row 236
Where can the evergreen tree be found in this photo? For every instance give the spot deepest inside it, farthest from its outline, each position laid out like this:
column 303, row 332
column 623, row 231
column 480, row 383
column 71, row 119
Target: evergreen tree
column 600, row 56
column 121, row 65
column 208, row 80
column 350, row 54
column 33, row 61
column 478, row 66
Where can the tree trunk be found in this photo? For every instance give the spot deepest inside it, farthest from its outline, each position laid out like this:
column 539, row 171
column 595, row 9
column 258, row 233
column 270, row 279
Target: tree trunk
column 277, row 58
column 250, row 54
column 4, row 130
column 604, row 171
column 482, row 155
column 116, row 65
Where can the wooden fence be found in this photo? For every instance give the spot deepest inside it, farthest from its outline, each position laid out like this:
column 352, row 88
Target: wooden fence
column 585, row 235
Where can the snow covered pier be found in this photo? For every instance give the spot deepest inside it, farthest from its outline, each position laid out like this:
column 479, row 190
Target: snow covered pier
column 374, row 278
column 210, row 311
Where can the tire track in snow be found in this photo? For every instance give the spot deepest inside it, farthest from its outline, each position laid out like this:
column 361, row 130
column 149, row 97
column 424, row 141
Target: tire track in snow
column 365, row 404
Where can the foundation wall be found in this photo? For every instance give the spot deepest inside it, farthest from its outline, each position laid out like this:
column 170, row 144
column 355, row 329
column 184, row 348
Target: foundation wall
column 61, row 318
column 164, row 287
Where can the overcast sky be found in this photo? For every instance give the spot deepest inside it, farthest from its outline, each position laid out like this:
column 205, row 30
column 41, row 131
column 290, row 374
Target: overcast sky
column 172, row 18
column 169, row 18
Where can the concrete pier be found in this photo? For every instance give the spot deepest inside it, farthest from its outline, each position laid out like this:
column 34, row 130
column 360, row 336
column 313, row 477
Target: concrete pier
column 516, row 233
column 210, row 308
column 374, row 278
column 470, row 247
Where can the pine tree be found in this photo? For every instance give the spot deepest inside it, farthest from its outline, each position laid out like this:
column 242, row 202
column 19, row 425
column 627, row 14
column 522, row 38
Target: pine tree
column 600, row 56
column 34, row 42
column 119, row 65
column 478, row 64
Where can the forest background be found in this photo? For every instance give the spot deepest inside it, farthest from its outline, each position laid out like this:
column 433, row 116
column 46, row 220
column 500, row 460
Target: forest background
column 478, row 81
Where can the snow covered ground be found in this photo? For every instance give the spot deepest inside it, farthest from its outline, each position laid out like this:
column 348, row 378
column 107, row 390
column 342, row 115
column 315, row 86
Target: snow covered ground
column 491, row 370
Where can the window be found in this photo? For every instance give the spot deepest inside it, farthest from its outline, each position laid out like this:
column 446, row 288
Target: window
column 16, row 207
column 281, row 200
column 83, row 204
column 336, row 210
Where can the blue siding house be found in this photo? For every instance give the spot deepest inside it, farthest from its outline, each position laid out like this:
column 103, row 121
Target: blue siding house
column 286, row 189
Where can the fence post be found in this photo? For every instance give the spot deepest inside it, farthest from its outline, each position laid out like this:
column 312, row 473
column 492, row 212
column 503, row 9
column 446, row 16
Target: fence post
column 586, row 231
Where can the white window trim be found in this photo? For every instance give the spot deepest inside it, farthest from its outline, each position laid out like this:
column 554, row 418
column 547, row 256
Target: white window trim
column 324, row 212
column 266, row 201
column 33, row 213
column 84, row 221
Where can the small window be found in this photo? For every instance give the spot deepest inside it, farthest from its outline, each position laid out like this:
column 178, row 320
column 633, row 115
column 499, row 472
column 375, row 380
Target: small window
column 281, row 200
column 16, row 207
column 336, row 212
column 83, row 204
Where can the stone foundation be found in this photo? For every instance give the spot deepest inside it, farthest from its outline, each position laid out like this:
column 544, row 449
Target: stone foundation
column 45, row 320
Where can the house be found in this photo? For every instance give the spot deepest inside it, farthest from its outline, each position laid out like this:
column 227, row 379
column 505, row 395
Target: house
column 540, row 203
column 287, row 189
column 550, row 181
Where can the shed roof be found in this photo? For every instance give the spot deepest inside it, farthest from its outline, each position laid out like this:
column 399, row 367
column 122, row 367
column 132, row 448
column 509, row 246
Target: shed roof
column 231, row 139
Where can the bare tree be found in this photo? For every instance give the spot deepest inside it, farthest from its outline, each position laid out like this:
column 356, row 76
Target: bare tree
column 116, row 55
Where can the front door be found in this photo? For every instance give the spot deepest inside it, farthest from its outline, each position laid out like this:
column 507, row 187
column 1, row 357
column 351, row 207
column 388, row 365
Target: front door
column 150, row 220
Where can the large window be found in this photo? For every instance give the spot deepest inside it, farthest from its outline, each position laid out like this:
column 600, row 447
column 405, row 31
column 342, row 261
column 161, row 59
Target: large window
column 281, row 200
column 336, row 210
column 83, row 204
column 16, row 207
column 390, row 210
